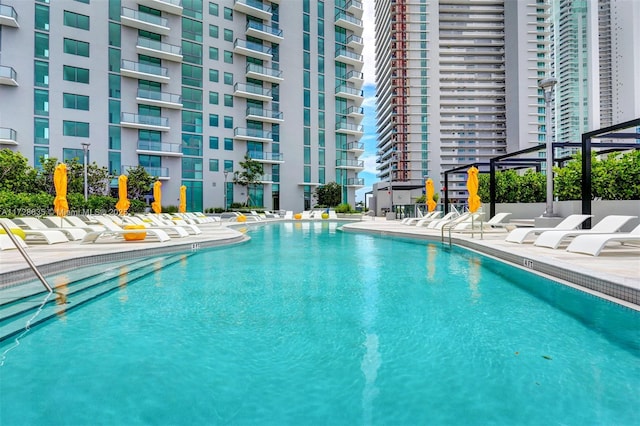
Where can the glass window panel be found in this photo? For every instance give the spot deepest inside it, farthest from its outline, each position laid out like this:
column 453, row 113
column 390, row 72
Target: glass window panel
column 40, row 153
column 213, row 165
column 41, row 71
column 114, row 86
column 115, row 37
column 213, row 142
column 76, row 20
column 41, row 47
column 41, row 102
column 41, row 131
column 42, row 17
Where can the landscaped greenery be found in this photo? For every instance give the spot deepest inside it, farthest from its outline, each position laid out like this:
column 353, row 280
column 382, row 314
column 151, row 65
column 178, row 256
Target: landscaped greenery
column 27, row 191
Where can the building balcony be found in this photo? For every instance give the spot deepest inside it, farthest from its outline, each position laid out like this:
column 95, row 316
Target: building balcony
column 356, row 147
column 8, row 16
column 163, row 149
column 144, row 21
column 264, row 115
column 266, row 179
column 253, row 8
column 173, row 7
column 159, row 99
column 259, row 72
column 8, row 76
column 8, row 136
column 355, row 42
column 254, row 135
column 355, row 77
column 144, row 71
column 354, row 7
column 349, row 22
column 157, row 49
column 252, row 91
column 355, row 182
column 267, row 157
column 264, row 32
column 252, row 49
column 350, row 57
column 355, row 112
column 350, row 129
column 350, row 164
column 356, row 95
column 145, row 122
column 162, row 173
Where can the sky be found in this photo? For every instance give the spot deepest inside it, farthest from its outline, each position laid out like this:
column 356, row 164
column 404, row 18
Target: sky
column 369, row 104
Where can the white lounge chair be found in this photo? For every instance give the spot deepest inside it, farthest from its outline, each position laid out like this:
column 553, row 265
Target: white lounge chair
column 114, row 230
column 74, row 221
column 519, row 235
column 496, row 222
column 419, row 216
column 72, row 233
column 452, row 223
column 594, row 244
column 175, row 220
column 172, row 230
column 333, row 215
column 436, row 216
column 50, row 236
column 429, row 216
column 7, row 244
column 288, row 214
column 609, row 224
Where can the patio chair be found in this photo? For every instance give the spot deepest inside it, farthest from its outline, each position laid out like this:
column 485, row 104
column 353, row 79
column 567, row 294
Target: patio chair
column 436, row 216
column 74, row 221
column 114, row 230
column 519, row 235
column 71, row 232
column 172, row 230
column 7, row 244
column 452, row 223
column 594, row 244
column 175, row 220
column 288, row 214
column 609, row 224
column 50, row 236
column 496, row 222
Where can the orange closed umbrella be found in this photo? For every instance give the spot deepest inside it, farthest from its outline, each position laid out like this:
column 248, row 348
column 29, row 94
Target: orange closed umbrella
column 472, row 187
column 60, row 204
column 156, row 206
column 182, row 208
column 123, row 203
column 431, row 205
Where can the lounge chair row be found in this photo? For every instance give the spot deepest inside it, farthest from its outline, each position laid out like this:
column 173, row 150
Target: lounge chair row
column 588, row 241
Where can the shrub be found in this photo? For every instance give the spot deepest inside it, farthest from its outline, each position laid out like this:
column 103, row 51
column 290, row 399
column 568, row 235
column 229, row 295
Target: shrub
column 343, row 208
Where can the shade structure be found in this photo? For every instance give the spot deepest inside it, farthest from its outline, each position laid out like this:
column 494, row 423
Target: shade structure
column 123, row 203
column 431, row 205
column 472, row 187
column 182, row 207
column 156, row 206
column 60, row 204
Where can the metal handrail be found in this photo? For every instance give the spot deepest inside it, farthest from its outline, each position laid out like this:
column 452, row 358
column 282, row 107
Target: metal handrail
column 26, row 257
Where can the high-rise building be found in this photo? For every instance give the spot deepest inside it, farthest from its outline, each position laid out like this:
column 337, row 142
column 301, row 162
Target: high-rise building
column 456, row 84
column 186, row 89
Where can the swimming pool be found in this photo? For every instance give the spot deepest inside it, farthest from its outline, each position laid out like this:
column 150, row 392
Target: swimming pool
column 307, row 325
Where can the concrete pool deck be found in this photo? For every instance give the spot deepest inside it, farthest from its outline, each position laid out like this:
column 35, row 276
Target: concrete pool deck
column 614, row 275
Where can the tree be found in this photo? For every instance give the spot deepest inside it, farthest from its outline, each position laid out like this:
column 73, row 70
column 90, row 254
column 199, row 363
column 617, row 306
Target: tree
column 139, row 183
column 249, row 175
column 329, row 194
column 14, row 171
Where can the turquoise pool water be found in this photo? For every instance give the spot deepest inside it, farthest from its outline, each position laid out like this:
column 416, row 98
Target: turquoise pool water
column 308, row 326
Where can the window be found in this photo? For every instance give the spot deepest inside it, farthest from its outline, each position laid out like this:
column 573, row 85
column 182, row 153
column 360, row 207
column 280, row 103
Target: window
column 213, row 120
column 114, row 163
column 228, row 78
column 213, row 98
column 228, row 100
column 115, row 137
column 191, row 121
column 42, row 17
column 41, row 78
column 114, row 86
column 191, row 98
column 41, row 131
column 214, row 75
column 115, row 38
column 213, row 31
column 213, row 165
column 213, row 53
column 114, row 60
column 228, row 144
column 76, row 20
column 228, row 122
column 191, row 168
column 79, row 75
column 41, row 45
column 191, row 52
column 191, row 75
column 228, row 14
column 213, row 9
column 213, row 142
column 71, row 101
column 228, row 166
column 76, row 47
column 69, row 154
column 40, row 153
column 191, row 30
column 228, row 57
column 41, row 102
column 228, row 35
column 192, row 144
column 75, row 128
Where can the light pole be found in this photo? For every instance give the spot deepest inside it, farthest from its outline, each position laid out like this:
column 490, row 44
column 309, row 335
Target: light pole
column 225, row 189
column 547, row 85
column 85, row 148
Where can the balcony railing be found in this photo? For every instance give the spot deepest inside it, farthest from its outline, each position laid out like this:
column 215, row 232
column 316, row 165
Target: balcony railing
column 349, row 90
column 146, row 20
column 8, row 136
column 259, row 72
column 159, row 172
column 8, row 76
column 355, row 181
column 256, row 29
column 144, row 120
column 253, row 8
column 355, row 146
column 164, row 50
column 160, row 147
column 170, row 6
column 146, row 71
column 160, row 98
column 8, row 16
column 266, row 156
column 350, row 164
column 253, row 89
column 251, row 48
column 350, row 128
column 242, row 133
column 265, row 113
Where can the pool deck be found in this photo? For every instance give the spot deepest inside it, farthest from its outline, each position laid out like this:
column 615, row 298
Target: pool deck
column 614, row 275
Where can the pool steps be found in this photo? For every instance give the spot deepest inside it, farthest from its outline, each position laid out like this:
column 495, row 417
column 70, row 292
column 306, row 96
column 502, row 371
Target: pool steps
column 88, row 285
